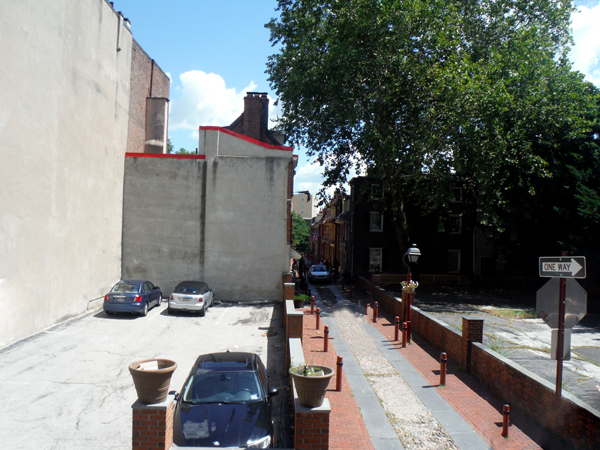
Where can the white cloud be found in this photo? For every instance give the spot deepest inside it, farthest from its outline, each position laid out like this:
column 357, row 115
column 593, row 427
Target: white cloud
column 586, row 32
column 205, row 100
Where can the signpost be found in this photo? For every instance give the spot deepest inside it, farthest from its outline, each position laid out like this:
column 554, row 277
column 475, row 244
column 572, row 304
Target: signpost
column 572, row 300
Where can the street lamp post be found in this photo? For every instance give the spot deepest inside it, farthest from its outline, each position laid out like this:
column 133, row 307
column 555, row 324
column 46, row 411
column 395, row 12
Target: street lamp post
column 411, row 255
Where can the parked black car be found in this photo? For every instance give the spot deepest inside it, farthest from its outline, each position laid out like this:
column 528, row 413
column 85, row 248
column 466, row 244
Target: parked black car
column 225, row 402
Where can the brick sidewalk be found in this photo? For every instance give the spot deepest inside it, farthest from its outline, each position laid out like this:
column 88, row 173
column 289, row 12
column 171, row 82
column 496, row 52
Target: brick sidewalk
column 476, row 404
column 347, row 428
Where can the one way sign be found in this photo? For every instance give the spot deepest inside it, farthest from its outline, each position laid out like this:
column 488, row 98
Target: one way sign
column 562, row 266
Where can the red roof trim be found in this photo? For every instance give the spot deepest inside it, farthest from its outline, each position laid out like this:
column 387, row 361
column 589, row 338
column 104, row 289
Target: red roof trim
column 163, row 155
column 249, row 139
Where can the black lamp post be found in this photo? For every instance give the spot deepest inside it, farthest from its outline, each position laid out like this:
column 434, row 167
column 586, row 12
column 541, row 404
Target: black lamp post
column 411, row 255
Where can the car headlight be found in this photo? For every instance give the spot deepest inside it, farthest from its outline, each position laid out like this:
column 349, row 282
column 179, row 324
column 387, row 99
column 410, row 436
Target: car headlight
column 261, row 443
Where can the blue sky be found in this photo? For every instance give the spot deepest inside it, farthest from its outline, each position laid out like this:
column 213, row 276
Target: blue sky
column 216, row 50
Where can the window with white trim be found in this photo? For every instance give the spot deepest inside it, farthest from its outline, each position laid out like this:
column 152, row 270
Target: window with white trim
column 455, row 223
column 376, row 222
column 375, row 259
column 453, row 261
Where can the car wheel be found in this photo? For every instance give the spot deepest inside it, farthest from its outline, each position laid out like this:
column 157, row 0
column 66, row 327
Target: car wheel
column 145, row 311
column 108, row 313
column 169, row 311
column 203, row 311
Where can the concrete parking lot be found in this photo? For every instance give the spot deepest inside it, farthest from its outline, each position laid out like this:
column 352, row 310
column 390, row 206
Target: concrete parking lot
column 69, row 387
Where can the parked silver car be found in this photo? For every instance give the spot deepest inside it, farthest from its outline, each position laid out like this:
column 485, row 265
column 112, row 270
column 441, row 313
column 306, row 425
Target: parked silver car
column 193, row 296
column 318, row 273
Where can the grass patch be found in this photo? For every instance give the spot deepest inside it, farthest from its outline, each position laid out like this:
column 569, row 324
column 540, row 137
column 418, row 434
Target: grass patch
column 510, row 313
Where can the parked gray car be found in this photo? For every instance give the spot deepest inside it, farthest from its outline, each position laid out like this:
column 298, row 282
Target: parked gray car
column 191, row 296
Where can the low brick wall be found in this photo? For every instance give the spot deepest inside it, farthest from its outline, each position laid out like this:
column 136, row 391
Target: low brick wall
column 568, row 417
column 152, row 425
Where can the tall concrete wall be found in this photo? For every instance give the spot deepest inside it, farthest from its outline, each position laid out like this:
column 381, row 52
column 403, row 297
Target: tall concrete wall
column 222, row 219
column 63, row 133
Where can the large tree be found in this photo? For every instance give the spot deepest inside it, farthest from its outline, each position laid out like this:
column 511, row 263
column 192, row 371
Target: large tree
column 423, row 92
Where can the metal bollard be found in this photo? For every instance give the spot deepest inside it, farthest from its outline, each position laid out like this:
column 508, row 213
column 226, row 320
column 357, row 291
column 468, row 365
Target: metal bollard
column 396, row 328
column 404, row 328
column 318, row 318
column 505, row 420
column 312, row 304
column 338, row 374
column 326, row 339
column 443, row 366
column 375, row 312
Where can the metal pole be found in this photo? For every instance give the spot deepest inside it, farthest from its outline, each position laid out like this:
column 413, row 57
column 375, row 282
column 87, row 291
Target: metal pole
column 326, row 339
column 375, row 312
column 396, row 328
column 505, row 420
column 408, row 299
column 338, row 375
column 312, row 304
column 443, row 365
column 561, row 337
column 318, row 318
column 404, row 326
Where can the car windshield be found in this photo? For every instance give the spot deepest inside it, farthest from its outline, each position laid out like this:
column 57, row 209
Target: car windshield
column 187, row 289
column 222, row 387
column 126, row 288
column 319, row 269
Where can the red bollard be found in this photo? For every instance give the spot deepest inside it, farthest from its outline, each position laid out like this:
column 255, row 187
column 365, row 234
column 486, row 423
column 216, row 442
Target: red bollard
column 396, row 328
column 312, row 304
column 505, row 420
column 443, row 366
column 404, row 328
column 326, row 339
column 318, row 317
column 375, row 312
column 338, row 374
column 408, row 331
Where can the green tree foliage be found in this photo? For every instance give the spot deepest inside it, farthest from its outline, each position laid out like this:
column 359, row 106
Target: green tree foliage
column 300, row 233
column 181, row 151
column 423, row 92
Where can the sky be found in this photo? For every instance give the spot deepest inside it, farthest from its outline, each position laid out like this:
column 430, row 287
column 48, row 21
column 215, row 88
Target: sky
column 215, row 51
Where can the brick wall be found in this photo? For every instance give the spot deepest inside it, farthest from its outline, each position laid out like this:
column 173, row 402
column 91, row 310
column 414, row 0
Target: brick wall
column 152, row 425
column 311, row 428
column 143, row 70
column 568, row 417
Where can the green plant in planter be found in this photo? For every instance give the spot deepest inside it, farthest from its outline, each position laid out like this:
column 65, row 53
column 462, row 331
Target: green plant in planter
column 308, row 371
column 299, row 300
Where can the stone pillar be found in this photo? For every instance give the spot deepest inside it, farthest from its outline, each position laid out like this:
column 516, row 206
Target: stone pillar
column 287, row 278
column 311, row 426
column 152, row 425
column 472, row 331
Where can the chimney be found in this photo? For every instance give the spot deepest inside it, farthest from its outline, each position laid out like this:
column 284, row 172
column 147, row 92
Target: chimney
column 256, row 115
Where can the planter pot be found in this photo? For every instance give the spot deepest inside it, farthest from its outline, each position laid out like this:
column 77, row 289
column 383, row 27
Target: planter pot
column 151, row 378
column 311, row 389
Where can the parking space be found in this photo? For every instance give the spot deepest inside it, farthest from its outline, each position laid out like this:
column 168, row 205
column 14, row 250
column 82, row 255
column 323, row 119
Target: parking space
column 69, row 387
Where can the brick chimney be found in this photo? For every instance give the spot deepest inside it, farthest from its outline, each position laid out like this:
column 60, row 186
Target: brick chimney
column 256, row 115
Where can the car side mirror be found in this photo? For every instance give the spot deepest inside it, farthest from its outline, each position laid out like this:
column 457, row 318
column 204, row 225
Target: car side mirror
column 156, row 287
column 273, row 392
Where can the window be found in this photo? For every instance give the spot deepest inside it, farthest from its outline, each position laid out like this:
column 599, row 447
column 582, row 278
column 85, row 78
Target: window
column 457, row 194
column 376, row 222
column 453, row 261
column 455, row 223
column 375, row 258
column 376, row 191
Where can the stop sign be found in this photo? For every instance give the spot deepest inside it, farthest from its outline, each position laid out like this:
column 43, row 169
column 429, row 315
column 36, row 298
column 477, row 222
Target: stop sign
column 547, row 302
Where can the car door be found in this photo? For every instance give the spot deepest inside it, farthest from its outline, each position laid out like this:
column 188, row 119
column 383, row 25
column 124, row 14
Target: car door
column 154, row 293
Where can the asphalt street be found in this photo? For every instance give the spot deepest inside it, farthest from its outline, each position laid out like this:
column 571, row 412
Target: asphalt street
column 69, row 387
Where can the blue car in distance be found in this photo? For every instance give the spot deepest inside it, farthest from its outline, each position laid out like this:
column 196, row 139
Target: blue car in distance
column 133, row 296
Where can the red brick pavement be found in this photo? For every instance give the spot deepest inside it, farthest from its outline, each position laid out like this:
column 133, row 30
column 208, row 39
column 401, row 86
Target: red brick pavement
column 470, row 399
column 347, row 428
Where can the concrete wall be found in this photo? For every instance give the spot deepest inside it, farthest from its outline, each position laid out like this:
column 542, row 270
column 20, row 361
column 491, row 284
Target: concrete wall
column 222, row 219
column 63, row 131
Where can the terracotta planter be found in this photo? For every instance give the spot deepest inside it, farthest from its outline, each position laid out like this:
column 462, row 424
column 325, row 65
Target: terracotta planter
column 311, row 389
column 151, row 378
